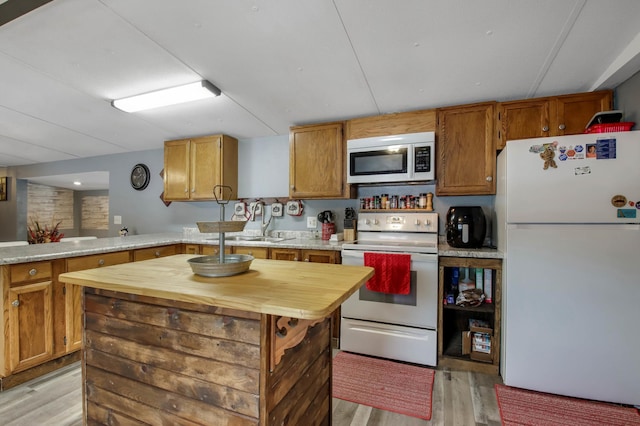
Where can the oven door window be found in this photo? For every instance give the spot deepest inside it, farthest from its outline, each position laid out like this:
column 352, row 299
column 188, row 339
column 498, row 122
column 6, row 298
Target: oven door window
column 378, row 162
column 396, row 299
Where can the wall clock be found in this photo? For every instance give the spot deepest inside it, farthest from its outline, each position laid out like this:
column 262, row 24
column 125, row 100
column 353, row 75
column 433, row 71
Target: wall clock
column 140, row 177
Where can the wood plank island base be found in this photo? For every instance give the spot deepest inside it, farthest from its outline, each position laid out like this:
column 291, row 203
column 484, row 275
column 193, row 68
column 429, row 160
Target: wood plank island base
column 164, row 346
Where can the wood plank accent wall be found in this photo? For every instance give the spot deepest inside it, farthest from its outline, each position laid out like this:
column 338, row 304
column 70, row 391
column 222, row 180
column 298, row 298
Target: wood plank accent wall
column 49, row 205
column 196, row 364
column 188, row 364
column 298, row 390
column 95, row 212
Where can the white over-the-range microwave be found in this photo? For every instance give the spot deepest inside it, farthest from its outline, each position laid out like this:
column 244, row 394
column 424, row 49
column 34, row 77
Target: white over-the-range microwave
column 399, row 158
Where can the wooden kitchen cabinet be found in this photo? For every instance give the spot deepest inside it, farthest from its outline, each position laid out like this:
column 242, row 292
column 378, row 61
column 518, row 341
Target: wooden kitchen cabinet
column 214, row 250
column 453, row 320
column 192, row 167
column 317, row 162
column 73, row 301
column 191, row 249
column 285, row 254
column 465, row 148
column 306, row 255
column 154, row 252
column 315, row 256
column 28, row 317
column 549, row 116
column 391, row 124
column 256, row 252
column 321, row 256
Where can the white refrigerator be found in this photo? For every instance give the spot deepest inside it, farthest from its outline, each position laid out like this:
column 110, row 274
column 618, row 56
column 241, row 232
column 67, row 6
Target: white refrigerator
column 571, row 240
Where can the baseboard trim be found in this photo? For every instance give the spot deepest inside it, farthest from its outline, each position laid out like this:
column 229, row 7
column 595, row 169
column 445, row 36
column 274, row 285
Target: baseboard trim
column 37, row 371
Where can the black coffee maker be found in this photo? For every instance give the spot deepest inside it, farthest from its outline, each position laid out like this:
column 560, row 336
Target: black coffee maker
column 466, row 226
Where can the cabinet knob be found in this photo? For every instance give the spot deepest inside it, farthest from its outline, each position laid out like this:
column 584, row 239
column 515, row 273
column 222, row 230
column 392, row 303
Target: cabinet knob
column 157, row 254
column 562, row 127
column 295, row 258
column 293, row 187
column 307, row 259
column 101, row 262
column 545, row 129
column 489, row 178
column 15, row 303
column 33, row 272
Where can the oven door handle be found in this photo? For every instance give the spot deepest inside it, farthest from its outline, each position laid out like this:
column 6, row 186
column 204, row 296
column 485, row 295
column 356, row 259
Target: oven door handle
column 415, row 257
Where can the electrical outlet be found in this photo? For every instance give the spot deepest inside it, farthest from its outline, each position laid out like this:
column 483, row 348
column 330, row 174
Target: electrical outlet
column 312, row 222
column 117, row 220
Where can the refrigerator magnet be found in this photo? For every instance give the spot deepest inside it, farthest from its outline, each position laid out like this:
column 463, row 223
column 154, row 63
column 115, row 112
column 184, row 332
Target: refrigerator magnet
column 585, row 170
column 627, row 213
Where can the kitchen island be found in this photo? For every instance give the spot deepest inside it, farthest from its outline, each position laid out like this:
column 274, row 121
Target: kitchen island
column 165, row 346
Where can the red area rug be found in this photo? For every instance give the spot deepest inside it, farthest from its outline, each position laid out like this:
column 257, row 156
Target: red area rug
column 387, row 385
column 525, row 407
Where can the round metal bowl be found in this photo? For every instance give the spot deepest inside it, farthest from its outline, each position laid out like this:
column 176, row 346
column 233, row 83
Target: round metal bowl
column 210, row 266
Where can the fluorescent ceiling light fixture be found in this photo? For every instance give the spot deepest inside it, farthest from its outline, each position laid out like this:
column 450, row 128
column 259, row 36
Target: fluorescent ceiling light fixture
column 77, row 183
column 175, row 95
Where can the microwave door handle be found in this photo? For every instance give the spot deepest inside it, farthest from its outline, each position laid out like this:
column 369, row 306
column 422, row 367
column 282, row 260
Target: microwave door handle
column 410, row 161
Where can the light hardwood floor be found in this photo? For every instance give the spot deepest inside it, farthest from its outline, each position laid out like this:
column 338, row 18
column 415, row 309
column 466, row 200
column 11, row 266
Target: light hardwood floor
column 459, row 398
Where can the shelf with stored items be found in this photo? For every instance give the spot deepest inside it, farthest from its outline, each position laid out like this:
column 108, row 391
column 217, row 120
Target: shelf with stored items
column 469, row 336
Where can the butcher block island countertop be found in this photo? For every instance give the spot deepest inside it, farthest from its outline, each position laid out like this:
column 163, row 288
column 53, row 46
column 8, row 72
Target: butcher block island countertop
column 165, row 346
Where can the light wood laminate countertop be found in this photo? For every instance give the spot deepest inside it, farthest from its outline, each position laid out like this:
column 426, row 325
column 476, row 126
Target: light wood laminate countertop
column 293, row 289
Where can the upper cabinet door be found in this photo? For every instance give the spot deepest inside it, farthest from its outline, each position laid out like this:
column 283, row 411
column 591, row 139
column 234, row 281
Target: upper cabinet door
column 522, row 120
column 465, row 148
column 204, row 171
column 549, row 116
column 573, row 112
column 176, row 170
column 193, row 167
column 317, row 167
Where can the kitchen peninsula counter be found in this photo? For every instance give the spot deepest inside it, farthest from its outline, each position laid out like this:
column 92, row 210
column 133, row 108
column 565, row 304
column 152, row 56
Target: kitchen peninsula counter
column 39, row 252
column 169, row 346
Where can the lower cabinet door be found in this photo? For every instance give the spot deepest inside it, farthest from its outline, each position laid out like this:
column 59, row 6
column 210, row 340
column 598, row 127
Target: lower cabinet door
column 30, row 325
column 74, row 317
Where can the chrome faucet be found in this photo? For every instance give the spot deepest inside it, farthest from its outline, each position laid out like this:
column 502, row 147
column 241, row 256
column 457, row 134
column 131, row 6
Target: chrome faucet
column 263, row 225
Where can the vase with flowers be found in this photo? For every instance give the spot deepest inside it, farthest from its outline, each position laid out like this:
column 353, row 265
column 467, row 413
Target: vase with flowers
column 37, row 234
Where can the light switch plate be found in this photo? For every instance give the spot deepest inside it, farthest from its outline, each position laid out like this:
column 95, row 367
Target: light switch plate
column 117, row 220
column 312, row 222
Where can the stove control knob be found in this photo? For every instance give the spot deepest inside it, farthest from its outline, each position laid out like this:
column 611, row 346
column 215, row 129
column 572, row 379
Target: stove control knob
column 417, row 222
column 375, row 221
column 366, row 221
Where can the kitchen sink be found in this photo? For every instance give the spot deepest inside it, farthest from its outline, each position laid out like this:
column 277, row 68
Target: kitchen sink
column 252, row 238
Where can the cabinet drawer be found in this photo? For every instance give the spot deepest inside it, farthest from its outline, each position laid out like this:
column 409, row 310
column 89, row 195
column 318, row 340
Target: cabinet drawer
column 30, row 271
column 285, row 254
column 97, row 260
column 321, row 256
column 154, row 252
column 214, row 250
column 257, row 252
